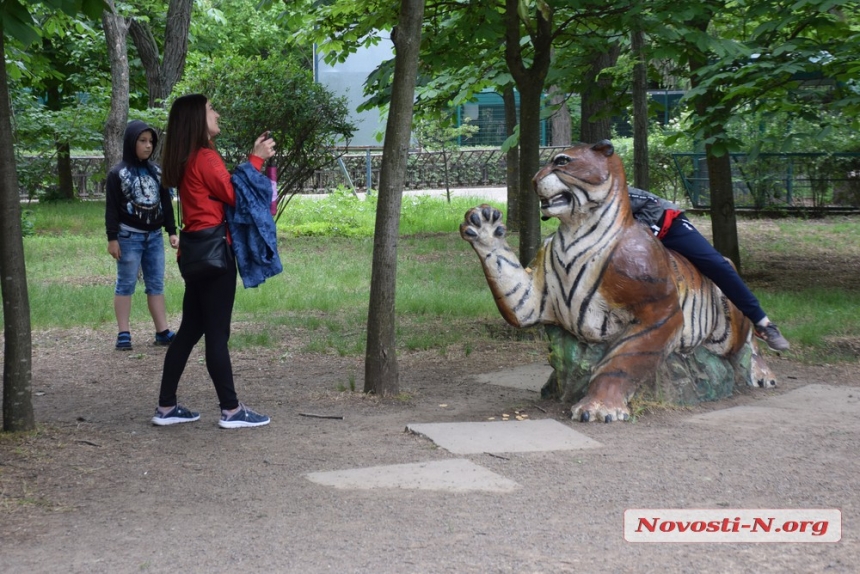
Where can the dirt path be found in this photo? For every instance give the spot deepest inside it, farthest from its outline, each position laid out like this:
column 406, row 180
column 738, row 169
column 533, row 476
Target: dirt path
column 98, row 489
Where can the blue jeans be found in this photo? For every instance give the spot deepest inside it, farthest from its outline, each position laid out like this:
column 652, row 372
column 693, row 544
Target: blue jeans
column 140, row 251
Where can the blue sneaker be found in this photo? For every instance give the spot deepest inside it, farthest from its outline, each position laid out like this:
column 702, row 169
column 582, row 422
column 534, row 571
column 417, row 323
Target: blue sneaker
column 244, row 417
column 123, row 341
column 164, row 338
column 178, row 414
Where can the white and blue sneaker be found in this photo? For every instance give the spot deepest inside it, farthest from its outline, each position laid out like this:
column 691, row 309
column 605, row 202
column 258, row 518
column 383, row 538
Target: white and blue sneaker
column 178, row 414
column 244, row 417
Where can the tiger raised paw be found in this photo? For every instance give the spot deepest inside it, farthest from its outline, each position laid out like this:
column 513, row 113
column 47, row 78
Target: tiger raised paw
column 483, row 225
column 483, row 228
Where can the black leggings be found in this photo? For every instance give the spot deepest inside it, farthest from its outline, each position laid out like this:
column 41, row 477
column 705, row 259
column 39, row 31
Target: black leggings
column 685, row 239
column 207, row 308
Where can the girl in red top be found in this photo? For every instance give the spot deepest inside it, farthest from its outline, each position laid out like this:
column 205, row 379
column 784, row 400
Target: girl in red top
column 191, row 164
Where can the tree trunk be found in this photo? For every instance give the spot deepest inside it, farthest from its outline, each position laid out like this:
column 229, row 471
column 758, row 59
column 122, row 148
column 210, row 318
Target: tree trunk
column 17, row 346
column 381, row 373
column 530, row 82
column 530, row 232
column 724, row 224
column 512, row 162
column 65, row 186
column 641, row 175
column 116, row 37
column 64, row 170
column 560, row 120
column 162, row 74
column 594, row 128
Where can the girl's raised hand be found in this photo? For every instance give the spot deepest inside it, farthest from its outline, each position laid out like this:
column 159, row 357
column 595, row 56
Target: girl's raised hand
column 264, row 146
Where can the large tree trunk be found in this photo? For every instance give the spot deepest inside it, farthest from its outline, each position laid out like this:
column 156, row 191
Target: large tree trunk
column 530, row 232
column 530, row 83
column 593, row 127
column 512, row 162
column 381, row 373
column 641, row 174
column 17, row 346
column 116, row 34
column 724, row 222
column 162, row 74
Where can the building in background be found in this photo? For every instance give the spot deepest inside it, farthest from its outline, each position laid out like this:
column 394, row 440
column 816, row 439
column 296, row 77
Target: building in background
column 347, row 80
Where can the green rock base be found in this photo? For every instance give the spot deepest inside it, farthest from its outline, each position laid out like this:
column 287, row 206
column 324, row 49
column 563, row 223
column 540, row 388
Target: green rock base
column 680, row 380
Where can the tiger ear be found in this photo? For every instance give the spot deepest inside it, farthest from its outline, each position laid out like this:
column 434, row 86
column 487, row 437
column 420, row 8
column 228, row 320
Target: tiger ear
column 605, row 147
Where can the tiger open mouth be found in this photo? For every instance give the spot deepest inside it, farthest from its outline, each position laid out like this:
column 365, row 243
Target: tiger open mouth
column 562, row 199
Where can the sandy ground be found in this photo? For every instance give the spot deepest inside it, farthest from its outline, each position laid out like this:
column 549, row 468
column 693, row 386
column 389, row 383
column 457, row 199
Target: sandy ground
column 99, row 489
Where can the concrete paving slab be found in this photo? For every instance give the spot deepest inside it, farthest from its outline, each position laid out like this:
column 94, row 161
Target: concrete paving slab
column 458, row 475
column 527, row 377
column 811, row 404
column 503, row 436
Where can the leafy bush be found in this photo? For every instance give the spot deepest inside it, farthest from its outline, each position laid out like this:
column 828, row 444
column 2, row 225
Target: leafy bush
column 254, row 95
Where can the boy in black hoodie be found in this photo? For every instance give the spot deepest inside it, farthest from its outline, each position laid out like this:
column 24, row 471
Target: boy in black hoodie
column 137, row 207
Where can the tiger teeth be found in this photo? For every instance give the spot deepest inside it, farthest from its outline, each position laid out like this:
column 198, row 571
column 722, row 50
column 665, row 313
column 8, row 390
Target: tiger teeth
column 556, row 200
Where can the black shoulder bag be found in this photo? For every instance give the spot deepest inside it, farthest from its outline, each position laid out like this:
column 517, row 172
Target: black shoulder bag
column 204, row 254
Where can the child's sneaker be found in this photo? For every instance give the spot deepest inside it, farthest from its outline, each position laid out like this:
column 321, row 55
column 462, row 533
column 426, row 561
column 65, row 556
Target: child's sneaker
column 164, row 338
column 770, row 334
column 244, row 417
column 123, row 341
column 178, row 414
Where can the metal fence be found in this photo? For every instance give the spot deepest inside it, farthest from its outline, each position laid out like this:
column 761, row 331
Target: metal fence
column 770, row 181
column 355, row 169
column 425, row 170
column 815, row 181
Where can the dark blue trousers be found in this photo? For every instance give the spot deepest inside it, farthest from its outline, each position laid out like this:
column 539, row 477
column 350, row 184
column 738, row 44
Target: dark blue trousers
column 685, row 239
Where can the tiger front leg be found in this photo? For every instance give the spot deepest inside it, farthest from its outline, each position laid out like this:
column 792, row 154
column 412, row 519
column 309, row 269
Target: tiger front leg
column 513, row 287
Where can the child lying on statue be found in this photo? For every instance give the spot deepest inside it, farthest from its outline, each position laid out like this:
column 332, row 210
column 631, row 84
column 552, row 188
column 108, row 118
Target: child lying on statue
column 672, row 227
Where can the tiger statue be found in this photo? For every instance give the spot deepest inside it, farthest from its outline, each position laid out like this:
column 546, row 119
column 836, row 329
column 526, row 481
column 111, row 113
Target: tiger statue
column 606, row 280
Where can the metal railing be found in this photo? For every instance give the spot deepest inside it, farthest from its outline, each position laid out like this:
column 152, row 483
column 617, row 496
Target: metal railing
column 771, row 181
column 356, row 169
column 779, row 180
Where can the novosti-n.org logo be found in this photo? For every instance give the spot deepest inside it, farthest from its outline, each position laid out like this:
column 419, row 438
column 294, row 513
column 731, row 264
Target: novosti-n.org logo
column 733, row 525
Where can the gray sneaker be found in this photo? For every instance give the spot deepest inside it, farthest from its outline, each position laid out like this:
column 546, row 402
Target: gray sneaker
column 244, row 417
column 177, row 415
column 770, row 334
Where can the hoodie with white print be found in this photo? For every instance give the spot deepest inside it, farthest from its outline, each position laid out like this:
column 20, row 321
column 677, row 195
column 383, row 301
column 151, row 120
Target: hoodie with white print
column 135, row 198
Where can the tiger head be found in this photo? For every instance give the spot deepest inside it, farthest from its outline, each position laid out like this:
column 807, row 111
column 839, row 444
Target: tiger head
column 580, row 179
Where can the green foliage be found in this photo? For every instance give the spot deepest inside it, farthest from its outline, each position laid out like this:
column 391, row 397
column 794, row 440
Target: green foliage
column 758, row 59
column 79, row 121
column 239, row 27
column 440, row 132
column 18, row 22
column 62, row 91
column 28, row 226
column 254, row 95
